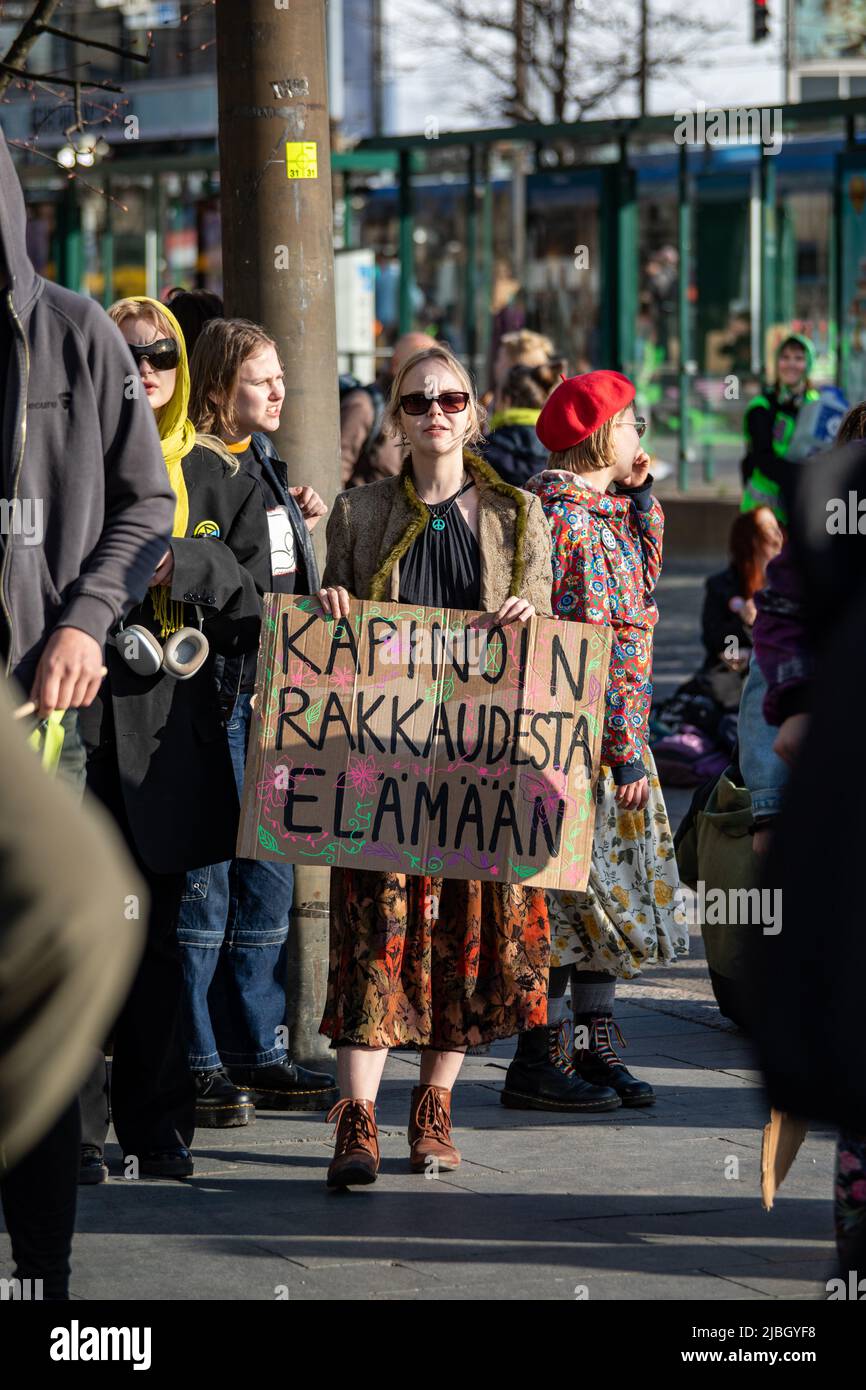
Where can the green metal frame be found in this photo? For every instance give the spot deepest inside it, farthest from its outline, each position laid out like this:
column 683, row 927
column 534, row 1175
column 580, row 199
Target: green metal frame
column 684, row 249
column 471, row 291
column 768, row 250
column 406, row 241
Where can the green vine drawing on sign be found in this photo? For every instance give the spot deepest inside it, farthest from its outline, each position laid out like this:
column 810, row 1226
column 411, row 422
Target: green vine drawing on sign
column 267, row 841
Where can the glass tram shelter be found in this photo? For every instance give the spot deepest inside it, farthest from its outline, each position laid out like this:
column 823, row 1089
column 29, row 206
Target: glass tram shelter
column 682, row 264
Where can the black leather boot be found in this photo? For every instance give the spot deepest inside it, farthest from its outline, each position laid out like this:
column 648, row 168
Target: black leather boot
column 219, row 1104
column 286, row 1086
column 600, row 1064
column 92, row 1166
column 541, row 1076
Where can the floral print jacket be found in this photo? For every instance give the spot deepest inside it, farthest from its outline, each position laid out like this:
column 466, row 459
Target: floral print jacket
column 607, row 557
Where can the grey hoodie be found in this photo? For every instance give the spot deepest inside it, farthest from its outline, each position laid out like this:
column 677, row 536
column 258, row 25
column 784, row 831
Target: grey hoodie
column 79, row 451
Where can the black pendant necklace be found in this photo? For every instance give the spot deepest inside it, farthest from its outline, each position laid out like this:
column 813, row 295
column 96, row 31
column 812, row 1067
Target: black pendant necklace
column 438, row 515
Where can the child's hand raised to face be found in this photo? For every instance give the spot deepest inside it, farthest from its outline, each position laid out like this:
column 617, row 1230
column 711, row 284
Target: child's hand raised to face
column 639, row 470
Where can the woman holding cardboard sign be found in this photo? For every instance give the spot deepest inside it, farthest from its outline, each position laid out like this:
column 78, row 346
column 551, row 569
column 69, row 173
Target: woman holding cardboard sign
column 439, row 963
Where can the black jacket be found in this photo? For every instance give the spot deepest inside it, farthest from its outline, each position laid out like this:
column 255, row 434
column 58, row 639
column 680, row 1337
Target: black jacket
column 307, row 581
column 230, row 671
column 807, row 1013
column 165, row 737
column 516, row 452
column 719, row 624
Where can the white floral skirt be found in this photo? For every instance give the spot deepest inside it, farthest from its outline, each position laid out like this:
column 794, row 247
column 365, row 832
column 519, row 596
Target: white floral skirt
column 632, row 913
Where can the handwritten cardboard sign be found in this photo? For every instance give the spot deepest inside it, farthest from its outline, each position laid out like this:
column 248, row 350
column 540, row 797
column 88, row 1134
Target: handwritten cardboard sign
column 412, row 740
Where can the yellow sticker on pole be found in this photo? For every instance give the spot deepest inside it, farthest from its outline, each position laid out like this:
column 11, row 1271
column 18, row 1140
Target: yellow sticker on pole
column 302, row 159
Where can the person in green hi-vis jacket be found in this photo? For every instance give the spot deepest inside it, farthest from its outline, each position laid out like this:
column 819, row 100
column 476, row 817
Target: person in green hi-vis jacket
column 770, row 421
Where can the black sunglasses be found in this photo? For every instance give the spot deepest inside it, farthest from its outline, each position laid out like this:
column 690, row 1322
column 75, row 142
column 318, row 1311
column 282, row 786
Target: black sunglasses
column 452, row 402
column 162, row 355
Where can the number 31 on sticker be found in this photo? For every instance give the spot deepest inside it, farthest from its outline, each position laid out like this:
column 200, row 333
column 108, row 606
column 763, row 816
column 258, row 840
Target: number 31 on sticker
column 302, row 160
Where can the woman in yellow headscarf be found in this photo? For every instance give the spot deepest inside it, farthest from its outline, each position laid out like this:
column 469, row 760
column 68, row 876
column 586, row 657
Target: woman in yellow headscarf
column 158, row 754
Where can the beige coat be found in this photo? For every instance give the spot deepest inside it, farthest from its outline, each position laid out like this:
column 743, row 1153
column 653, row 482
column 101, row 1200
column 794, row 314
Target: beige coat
column 371, row 528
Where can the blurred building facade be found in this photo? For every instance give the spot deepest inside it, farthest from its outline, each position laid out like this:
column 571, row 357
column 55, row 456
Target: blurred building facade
column 682, row 265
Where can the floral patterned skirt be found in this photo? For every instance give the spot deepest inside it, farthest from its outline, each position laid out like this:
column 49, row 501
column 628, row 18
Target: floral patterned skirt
column 439, row 963
column 850, row 1194
column 632, row 913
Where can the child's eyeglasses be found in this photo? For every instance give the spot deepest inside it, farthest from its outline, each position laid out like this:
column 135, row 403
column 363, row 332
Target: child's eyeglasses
column 639, row 423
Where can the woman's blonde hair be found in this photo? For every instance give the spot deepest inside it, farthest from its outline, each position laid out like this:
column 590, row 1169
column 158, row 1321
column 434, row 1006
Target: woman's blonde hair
column 591, row 454
column 522, row 345
column 124, row 309
column 477, row 415
column 221, row 349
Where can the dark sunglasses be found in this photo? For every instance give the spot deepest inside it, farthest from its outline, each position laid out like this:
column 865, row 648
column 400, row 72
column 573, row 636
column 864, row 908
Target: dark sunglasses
column 452, row 402
column 162, row 355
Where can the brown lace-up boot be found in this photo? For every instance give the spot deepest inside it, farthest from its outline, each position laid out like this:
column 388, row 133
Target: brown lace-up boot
column 356, row 1155
column 430, row 1130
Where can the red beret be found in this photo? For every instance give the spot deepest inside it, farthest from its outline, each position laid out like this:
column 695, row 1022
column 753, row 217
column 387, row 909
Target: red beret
column 579, row 406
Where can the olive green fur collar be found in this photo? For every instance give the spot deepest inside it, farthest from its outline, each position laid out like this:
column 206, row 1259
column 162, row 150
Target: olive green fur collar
column 484, row 476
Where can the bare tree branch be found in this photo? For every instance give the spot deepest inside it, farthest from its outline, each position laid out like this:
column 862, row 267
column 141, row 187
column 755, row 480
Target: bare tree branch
column 576, row 55
column 27, row 37
column 96, row 43
column 70, row 173
column 50, row 77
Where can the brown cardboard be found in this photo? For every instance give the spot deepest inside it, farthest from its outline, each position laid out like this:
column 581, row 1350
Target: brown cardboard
column 373, row 739
column 780, row 1145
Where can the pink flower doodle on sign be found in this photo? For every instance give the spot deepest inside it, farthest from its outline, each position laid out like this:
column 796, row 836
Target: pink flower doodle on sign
column 361, row 775
column 342, row 678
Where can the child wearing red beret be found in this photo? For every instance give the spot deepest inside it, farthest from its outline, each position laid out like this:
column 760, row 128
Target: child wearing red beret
column 606, row 529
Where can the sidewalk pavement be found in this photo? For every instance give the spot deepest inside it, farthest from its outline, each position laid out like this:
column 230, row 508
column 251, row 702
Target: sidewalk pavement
column 661, row 1203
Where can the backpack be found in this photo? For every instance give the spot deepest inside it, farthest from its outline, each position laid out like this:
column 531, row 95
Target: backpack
column 349, row 383
column 690, row 756
column 817, row 424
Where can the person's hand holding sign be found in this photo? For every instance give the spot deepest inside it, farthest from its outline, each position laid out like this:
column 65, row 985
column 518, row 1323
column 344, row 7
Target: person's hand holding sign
column 335, row 602
column 515, row 610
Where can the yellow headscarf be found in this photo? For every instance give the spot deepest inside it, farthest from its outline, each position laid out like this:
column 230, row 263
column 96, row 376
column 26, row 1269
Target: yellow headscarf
column 177, row 437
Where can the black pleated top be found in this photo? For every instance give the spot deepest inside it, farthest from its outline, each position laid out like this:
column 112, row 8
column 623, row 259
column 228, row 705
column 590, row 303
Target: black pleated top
column 443, row 568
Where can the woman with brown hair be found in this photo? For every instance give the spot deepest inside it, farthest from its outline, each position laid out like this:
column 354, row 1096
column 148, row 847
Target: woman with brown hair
column 729, row 608
column 440, row 964
column 234, row 920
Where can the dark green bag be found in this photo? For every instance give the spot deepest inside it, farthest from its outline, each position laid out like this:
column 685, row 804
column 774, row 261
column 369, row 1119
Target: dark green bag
column 715, row 847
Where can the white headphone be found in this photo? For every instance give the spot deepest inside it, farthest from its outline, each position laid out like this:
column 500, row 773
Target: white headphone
column 184, row 654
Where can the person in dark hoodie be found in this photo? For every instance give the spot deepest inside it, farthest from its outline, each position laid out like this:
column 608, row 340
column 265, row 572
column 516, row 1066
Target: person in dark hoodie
column 512, row 447
column 90, row 510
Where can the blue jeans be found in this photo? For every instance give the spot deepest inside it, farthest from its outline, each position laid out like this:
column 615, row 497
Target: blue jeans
column 233, row 929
